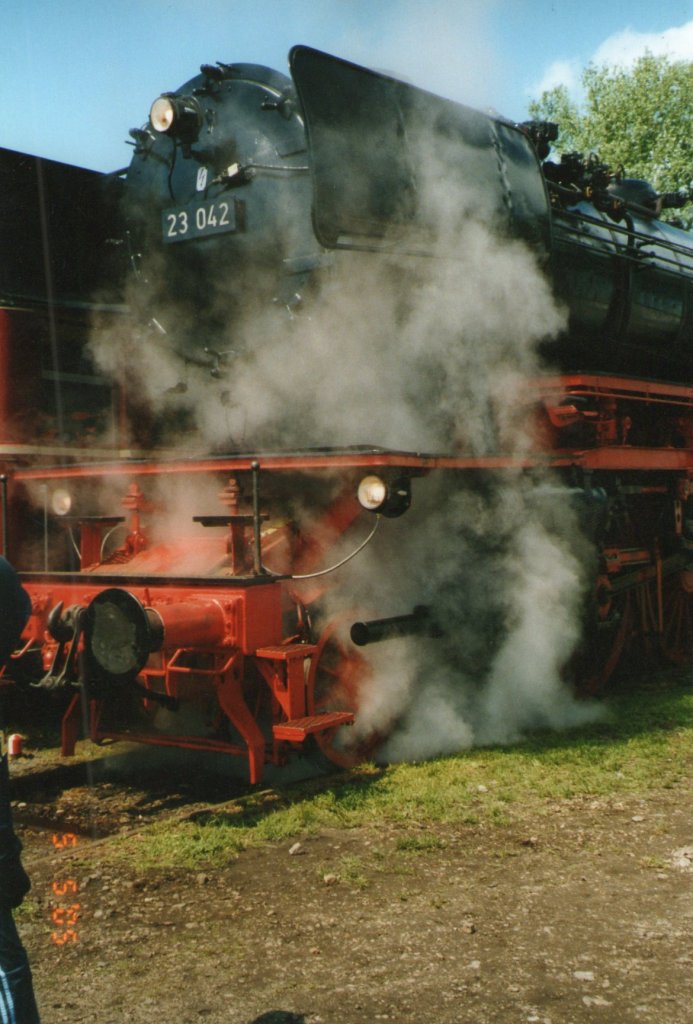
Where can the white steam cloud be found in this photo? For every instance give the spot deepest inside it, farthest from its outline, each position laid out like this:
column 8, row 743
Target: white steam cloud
column 504, row 572
column 443, row 46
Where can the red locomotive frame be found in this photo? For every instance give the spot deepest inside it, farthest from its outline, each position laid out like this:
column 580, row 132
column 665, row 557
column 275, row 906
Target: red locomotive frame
column 228, row 634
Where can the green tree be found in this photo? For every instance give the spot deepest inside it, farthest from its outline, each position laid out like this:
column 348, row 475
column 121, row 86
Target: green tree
column 640, row 119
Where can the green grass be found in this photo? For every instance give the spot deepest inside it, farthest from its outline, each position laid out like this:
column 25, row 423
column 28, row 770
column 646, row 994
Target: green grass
column 350, row 868
column 644, row 743
column 421, row 842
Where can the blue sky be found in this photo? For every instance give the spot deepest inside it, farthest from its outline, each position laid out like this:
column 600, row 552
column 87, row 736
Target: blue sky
column 80, row 73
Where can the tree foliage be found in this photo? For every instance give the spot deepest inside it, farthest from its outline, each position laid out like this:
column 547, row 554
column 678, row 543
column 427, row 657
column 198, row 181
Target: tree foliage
column 640, row 119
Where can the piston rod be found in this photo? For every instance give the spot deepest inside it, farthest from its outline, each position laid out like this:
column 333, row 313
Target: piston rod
column 419, row 623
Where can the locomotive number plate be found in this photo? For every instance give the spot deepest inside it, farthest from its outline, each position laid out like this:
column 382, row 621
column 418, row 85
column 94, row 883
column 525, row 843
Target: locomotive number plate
column 179, row 223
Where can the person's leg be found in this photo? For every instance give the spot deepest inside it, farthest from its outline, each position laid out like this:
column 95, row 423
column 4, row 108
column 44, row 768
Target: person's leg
column 17, row 1002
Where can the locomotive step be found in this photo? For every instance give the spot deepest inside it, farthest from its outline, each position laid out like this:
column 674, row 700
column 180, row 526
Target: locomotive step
column 296, row 730
column 285, row 652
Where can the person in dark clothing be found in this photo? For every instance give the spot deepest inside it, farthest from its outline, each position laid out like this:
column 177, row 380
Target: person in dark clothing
column 15, row 608
column 17, row 1002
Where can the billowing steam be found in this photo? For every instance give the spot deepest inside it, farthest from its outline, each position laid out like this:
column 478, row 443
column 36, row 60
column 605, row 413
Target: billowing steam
column 504, row 572
column 421, row 354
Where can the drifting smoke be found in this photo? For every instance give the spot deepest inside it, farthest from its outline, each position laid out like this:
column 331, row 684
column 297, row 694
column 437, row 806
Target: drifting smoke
column 504, row 571
column 444, row 46
column 404, row 354
column 422, row 354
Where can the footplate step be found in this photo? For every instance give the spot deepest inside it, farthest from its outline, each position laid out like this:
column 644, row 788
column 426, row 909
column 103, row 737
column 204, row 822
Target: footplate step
column 296, row 730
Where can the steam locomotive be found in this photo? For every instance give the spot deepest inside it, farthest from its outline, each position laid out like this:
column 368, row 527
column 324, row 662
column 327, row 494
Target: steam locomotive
column 263, row 175
column 255, row 205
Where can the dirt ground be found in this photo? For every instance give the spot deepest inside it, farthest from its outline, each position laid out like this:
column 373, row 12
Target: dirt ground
column 583, row 912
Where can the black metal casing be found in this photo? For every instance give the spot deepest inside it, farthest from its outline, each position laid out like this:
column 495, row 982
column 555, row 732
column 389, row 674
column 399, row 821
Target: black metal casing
column 346, row 158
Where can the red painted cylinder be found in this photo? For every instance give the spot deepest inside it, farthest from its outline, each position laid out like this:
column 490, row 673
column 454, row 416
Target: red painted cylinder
column 15, row 744
column 200, row 623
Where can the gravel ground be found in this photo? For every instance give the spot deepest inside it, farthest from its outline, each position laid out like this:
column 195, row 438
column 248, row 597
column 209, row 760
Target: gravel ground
column 582, row 912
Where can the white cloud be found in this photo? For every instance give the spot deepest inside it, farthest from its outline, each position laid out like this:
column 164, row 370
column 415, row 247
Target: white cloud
column 619, row 50
column 560, row 72
column 623, row 48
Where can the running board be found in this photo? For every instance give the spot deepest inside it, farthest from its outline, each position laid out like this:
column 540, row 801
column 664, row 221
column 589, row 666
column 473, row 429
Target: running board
column 297, row 730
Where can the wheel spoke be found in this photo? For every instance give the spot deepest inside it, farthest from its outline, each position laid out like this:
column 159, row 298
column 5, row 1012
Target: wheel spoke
column 677, row 636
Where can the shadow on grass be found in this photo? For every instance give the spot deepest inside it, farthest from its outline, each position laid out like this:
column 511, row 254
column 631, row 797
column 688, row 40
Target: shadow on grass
column 649, row 710
column 178, row 781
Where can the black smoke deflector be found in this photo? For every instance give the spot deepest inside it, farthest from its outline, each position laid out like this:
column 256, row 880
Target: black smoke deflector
column 393, row 165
